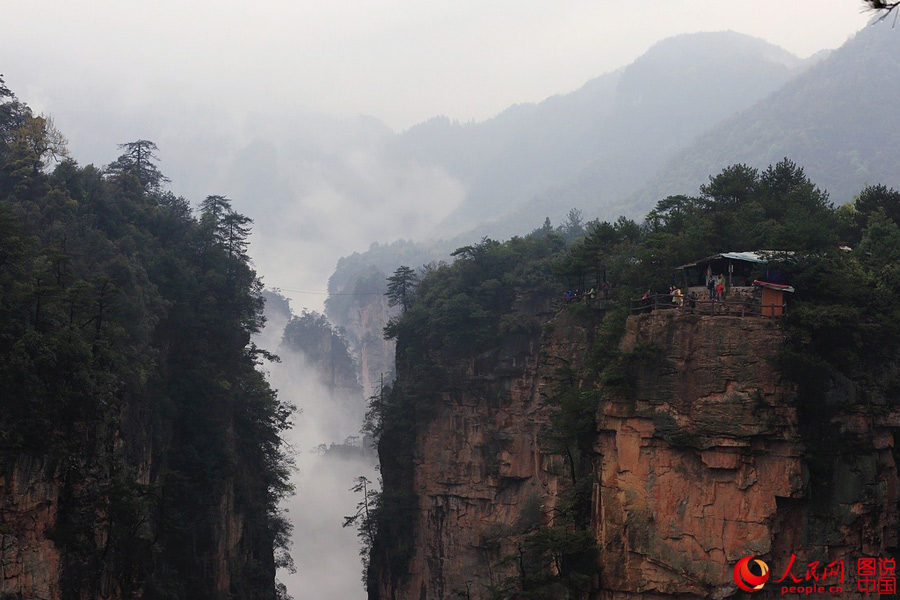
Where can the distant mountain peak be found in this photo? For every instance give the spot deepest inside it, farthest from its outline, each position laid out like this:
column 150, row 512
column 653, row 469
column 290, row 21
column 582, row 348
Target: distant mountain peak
column 830, row 119
column 728, row 43
column 598, row 143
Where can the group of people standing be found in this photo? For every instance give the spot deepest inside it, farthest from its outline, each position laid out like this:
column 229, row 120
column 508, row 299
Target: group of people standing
column 716, row 286
column 577, row 296
column 677, row 295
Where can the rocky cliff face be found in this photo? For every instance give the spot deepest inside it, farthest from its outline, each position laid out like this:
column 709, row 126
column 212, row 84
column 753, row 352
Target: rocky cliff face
column 376, row 354
column 30, row 560
column 702, row 455
column 701, row 464
column 481, row 477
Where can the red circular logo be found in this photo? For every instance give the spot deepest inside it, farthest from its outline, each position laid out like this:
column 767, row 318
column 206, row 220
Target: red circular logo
column 745, row 579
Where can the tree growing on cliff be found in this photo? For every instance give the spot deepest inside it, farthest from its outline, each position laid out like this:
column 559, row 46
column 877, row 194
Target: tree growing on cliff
column 138, row 161
column 740, row 209
column 12, row 113
column 401, row 286
column 365, row 518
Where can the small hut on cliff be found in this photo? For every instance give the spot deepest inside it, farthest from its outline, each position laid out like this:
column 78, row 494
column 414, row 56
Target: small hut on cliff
column 740, row 269
column 773, row 302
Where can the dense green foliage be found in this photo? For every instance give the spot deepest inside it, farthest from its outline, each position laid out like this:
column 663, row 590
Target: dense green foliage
column 738, row 210
column 126, row 367
column 464, row 308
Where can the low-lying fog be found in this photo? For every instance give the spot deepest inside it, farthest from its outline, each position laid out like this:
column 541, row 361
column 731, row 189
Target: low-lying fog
column 325, row 553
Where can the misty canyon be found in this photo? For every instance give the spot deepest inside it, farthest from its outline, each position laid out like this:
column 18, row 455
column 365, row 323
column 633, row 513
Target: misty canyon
column 172, row 429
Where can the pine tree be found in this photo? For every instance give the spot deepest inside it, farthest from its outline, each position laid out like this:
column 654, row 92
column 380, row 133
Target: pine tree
column 400, row 287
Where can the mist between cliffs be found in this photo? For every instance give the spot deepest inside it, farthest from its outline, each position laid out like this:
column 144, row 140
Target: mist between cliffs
column 329, row 455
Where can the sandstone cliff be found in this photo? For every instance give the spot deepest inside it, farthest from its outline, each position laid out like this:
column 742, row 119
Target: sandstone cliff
column 703, row 454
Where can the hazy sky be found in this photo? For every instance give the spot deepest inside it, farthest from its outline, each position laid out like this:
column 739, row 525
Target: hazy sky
column 399, row 60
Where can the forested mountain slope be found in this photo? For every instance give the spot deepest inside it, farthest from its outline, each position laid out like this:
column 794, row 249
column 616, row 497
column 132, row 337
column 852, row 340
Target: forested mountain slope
column 831, row 119
column 610, row 133
column 140, row 450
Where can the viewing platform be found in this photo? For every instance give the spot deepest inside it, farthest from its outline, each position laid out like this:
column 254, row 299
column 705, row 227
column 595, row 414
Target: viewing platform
column 762, row 300
column 730, row 283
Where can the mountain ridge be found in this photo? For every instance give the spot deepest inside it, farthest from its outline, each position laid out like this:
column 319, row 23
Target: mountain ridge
column 520, row 157
column 829, row 119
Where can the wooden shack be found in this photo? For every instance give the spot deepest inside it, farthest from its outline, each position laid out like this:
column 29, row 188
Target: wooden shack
column 739, row 269
column 773, row 300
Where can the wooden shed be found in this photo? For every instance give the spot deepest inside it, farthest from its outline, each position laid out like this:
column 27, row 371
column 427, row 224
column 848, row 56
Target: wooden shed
column 738, row 268
column 773, row 301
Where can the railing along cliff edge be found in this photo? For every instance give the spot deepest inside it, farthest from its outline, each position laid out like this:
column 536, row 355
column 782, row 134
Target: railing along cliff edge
column 705, row 306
